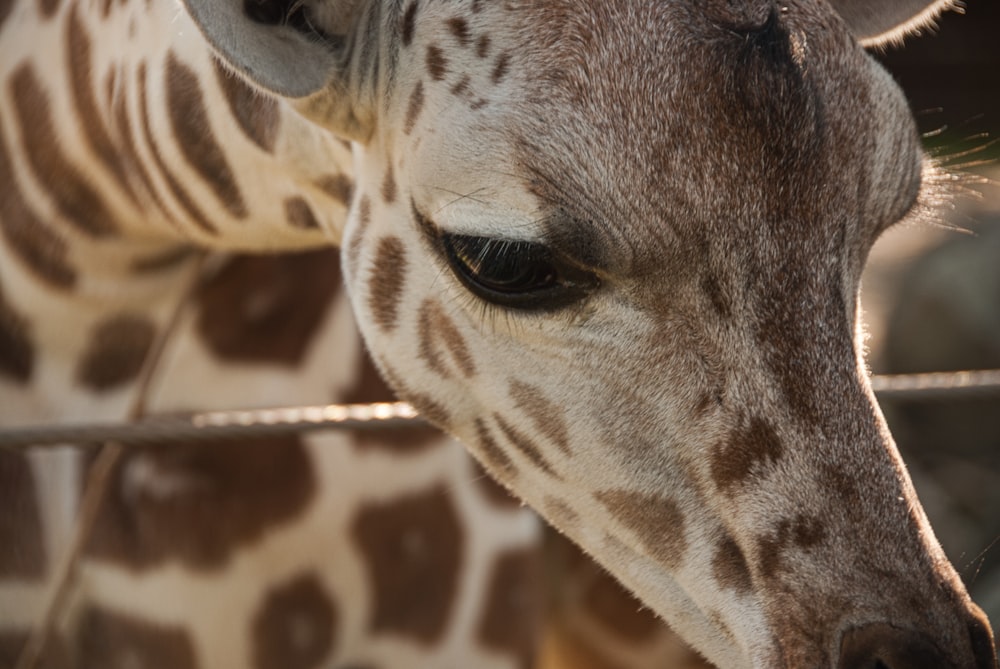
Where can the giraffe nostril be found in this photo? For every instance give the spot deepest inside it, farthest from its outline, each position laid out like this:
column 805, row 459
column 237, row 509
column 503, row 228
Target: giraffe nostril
column 882, row 646
column 981, row 638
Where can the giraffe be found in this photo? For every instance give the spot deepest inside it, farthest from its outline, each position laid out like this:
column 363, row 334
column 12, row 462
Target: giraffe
column 668, row 373
column 515, row 246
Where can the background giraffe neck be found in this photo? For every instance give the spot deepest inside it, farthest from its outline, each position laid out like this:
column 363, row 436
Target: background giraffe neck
column 125, row 146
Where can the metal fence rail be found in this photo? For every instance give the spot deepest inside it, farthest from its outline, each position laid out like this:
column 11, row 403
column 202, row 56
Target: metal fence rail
column 214, row 425
column 937, row 385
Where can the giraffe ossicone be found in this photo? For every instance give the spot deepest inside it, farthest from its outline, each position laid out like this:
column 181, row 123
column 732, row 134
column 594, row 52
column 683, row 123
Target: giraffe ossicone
column 613, row 246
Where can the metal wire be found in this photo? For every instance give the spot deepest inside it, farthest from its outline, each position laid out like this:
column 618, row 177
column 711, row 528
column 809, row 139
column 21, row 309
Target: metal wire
column 214, row 425
column 256, row 423
column 937, row 386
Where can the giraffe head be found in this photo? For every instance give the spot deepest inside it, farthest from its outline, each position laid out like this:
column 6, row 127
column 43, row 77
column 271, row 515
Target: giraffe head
column 615, row 246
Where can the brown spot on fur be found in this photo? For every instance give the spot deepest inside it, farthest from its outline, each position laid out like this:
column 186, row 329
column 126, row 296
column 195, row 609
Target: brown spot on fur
column 769, row 555
column 462, row 86
column 409, row 22
column 807, row 532
column 369, row 387
column 656, row 521
column 198, row 503
column 116, row 353
column 413, row 108
column 617, row 610
column 802, row 532
column 112, row 640
column 492, row 490
column 364, row 212
column 386, row 282
column 583, row 652
column 716, row 297
column 495, row 456
column 524, row 445
column 729, row 566
column 389, row 186
column 181, row 195
column 424, row 404
column 429, row 409
column 28, row 237
column 75, row 198
column 510, row 622
column 193, row 132
column 414, row 549
column 94, row 132
column 749, row 452
column 437, row 64
column 17, row 352
column 808, row 356
column 546, row 416
column 5, row 7
column 22, row 548
column 459, row 27
column 296, row 627
column 48, row 7
column 437, row 331
column 483, row 46
column 338, row 186
column 257, row 115
column 559, row 514
column 845, row 487
column 133, row 164
column 55, row 655
column 500, row 68
column 267, row 309
column 299, row 214
column 717, row 619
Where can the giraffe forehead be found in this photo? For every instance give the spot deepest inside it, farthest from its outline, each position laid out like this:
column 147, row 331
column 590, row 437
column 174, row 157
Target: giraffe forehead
column 667, row 122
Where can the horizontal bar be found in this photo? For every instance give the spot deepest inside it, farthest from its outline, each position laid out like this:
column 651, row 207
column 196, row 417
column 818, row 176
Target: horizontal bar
column 214, row 425
column 255, row 423
column 937, row 385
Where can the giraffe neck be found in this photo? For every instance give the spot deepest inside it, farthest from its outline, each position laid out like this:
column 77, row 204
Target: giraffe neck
column 125, row 147
column 128, row 139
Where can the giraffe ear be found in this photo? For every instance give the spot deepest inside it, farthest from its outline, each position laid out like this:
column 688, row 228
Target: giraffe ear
column 879, row 22
column 283, row 49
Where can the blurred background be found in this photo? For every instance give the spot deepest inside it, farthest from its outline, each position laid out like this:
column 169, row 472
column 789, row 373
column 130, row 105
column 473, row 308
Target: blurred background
column 931, row 293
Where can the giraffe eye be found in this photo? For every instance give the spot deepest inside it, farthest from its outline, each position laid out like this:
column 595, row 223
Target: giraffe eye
column 516, row 274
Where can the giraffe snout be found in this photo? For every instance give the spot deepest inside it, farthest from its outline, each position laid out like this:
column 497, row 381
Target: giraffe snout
column 981, row 636
column 882, row 646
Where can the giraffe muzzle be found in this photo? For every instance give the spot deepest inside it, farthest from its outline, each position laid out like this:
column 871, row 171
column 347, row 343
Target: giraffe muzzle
column 882, row 646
